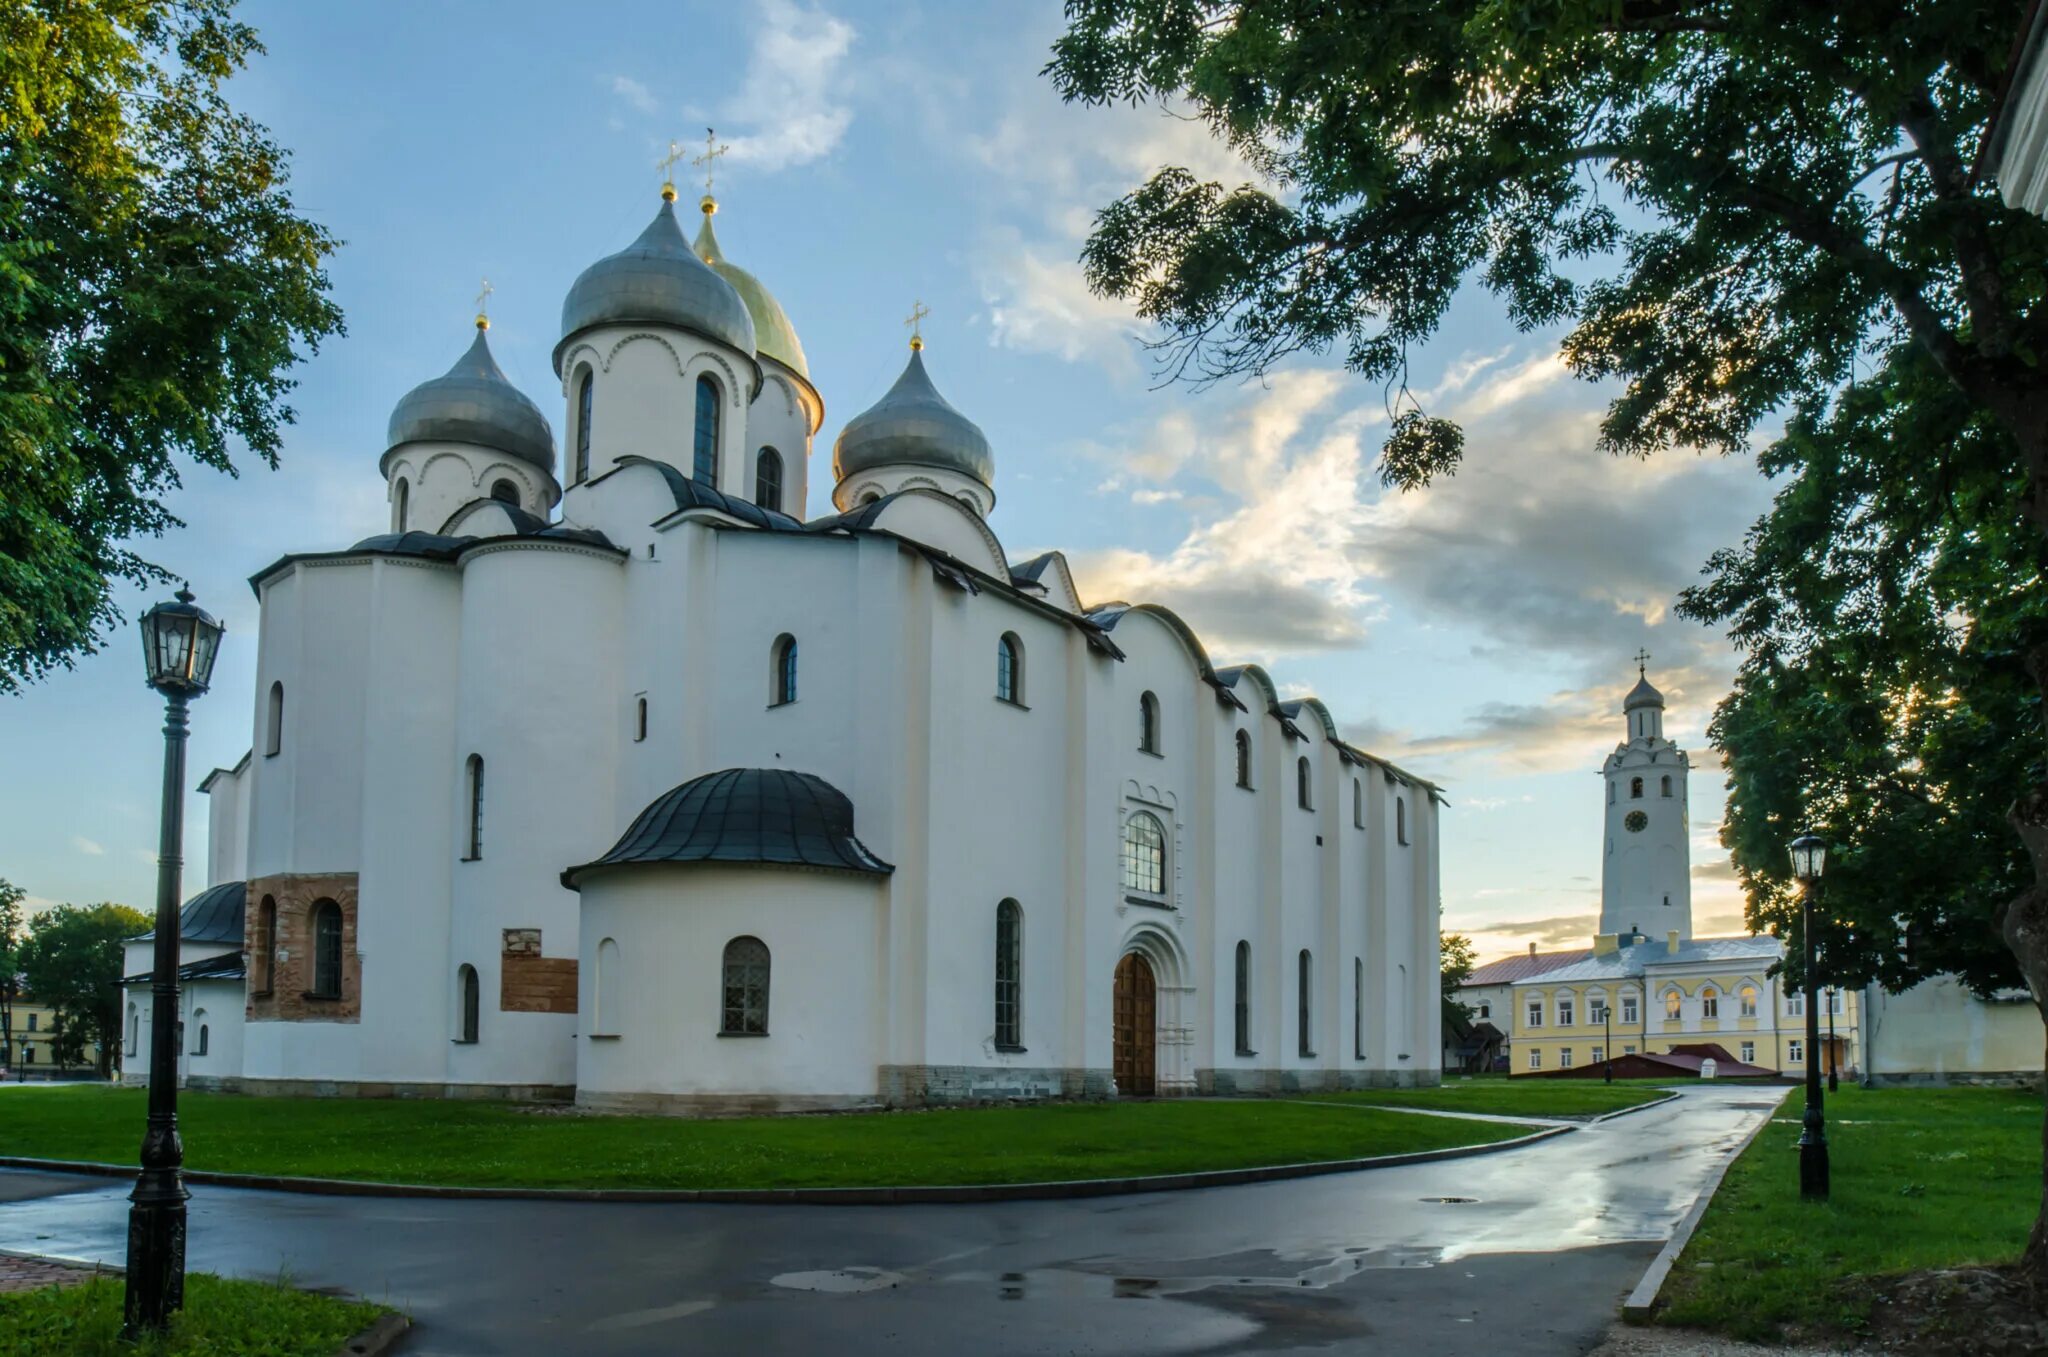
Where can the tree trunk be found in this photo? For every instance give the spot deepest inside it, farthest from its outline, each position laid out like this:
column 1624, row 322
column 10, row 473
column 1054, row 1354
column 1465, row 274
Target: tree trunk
column 2024, row 926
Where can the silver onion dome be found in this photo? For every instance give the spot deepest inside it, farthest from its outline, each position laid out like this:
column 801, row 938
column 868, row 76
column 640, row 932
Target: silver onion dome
column 657, row 280
column 1642, row 695
column 474, row 402
column 913, row 425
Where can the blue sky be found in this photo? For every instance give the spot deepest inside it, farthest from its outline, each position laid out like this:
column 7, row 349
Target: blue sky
column 1478, row 631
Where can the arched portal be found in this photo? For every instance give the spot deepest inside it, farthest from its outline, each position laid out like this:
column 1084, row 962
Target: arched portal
column 1135, row 1060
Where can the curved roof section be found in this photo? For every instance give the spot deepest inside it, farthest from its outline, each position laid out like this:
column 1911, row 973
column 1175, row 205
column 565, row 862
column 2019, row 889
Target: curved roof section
column 914, row 426
column 774, row 336
column 695, row 494
column 657, row 280
column 769, row 816
column 213, row 915
column 1642, row 695
column 474, row 402
column 523, row 522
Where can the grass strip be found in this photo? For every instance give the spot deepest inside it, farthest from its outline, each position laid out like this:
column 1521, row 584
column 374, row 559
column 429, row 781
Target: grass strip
column 474, row 1144
column 1501, row 1096
column 221, row 1318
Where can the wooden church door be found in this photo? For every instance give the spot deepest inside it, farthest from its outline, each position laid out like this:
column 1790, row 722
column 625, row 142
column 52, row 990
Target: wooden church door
column 1136, row 1007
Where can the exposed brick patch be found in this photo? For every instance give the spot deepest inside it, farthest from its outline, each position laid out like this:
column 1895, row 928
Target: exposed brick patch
column 291, row 969
column 33, row 1274
column 531, row 983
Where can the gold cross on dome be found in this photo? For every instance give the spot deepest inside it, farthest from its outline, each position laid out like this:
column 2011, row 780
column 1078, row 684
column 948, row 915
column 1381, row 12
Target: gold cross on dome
column 918, row 311
column 483, row 306
column 713, row 149
column 667, row 165
column 1642, row 660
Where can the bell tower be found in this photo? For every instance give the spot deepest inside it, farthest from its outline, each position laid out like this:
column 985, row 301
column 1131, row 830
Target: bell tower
column 1646, row 868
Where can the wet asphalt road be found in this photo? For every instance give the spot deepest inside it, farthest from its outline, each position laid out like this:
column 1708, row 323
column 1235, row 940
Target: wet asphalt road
column 1351, row 1263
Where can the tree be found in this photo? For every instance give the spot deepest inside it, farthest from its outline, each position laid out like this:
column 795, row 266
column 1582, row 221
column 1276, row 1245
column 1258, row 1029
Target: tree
column 73, row 962
column 1457, row 963
column 155, row 288
column 11, row 897
column 1729, row 205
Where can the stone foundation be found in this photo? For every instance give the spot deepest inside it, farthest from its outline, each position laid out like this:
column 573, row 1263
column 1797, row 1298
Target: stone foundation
column 1231, row 1082
column 1958, row 1079
column 373, row 1088
column 725, row 1104
column 956, row 1085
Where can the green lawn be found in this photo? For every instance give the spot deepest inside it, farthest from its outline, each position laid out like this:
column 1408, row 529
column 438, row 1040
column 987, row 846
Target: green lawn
column 490, row 1144
column 1922, row 1178
column 1503, row 1096
column 221, row 1318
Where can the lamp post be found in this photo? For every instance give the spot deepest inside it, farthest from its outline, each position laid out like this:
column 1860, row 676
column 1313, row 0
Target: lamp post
column 179, row 641
column 1607, row 1015
column 1834, row 1060
column 1809, row 854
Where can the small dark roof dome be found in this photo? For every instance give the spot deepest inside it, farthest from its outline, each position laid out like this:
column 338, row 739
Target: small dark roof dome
column 913, row 424
column 758, row 815
column 213, row 915
column 1642, row 695
column 474, row 402
column 657, row 280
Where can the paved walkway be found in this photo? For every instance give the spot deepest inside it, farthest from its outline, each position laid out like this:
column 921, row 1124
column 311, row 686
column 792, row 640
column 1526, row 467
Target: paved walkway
column 33, row 1274
column 1534, row 1265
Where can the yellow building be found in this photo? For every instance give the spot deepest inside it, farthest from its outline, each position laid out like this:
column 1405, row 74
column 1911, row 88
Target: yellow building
column 1638, row 996
column 29, row 1050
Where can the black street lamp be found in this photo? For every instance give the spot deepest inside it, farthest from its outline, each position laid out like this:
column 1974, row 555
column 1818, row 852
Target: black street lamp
column 1607, row 1016
column 179, row 641
column 1834, row 1056
column 1809, row 854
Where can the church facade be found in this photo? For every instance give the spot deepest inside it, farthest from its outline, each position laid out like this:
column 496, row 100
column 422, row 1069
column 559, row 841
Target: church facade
column 634, row 782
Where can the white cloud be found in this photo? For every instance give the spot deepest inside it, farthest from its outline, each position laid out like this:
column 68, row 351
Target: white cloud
column 793, row 88
column 1038, row 302
column 87, row 846
column 636, row 95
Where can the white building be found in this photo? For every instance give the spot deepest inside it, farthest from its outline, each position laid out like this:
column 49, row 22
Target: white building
column 644, row 785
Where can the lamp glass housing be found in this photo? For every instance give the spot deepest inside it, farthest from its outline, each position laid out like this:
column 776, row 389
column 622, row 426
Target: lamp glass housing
column 1809, row 856
column 179, row 643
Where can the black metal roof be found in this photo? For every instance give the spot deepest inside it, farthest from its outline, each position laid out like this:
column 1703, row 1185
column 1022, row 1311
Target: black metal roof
column 759, row 815
column 213, row 915
column 226, row 966
column 695, row 494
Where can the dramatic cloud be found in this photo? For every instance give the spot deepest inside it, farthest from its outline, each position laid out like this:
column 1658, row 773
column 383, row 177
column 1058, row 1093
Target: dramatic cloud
column 793, row 88
column 1560, row 932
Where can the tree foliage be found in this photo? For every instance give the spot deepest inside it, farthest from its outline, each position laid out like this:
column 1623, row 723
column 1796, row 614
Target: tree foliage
column 11, row 897
column 1883, row 605
column 1457, row 962
column 156, row 285
column 73, row 962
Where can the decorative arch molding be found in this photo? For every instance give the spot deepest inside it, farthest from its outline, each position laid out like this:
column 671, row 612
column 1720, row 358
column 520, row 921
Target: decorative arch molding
column 701, row 362
column 584, row 348
column 919, row 483
column 1176, row 1021
column 1000, row 564
column 791, row 405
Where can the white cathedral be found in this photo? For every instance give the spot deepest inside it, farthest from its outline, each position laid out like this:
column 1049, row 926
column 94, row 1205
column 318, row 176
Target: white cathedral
column 642, row 787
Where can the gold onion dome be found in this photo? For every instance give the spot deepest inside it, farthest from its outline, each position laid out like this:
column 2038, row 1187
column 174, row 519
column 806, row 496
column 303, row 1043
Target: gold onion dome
column 774, row 336
column 913, row 425
column 474, row 402
column 657, row 280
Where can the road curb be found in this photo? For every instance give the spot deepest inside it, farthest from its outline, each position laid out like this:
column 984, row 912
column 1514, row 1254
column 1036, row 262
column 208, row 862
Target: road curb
column 1642, row 1302
column 1639, row 1107
column 813, row 1196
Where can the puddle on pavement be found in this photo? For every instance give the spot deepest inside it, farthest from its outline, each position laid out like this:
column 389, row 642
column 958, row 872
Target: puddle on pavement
column 845, row 1281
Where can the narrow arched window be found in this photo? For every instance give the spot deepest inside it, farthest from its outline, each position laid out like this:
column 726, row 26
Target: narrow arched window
column 266, row 943
column 469, row 1001
column 326, row 950
column 604, row 990
column 1710, row 1002
column 1401, row 819
column 1009, row 976
column 1667, row 784
column 404, row 504
column 1242, row 1006
column 745, row 989
column 768, row 479
column 639, row 718
column 1610, row 793
column 473, row 809
column 505, row 493
column 1144, row 854
column 1148, row 723
column 1244, row 759
column 1674, row 1005
column 1010, row 668
column 1358, row 1007
column 1305, row 966
column 1302, row 797
column 782, row 682
column 1357, row 804
column 1635, row 789
column 1748, row 998
column 273, row 735
column 704, row 459
column 201, row 1048
column 585, row 389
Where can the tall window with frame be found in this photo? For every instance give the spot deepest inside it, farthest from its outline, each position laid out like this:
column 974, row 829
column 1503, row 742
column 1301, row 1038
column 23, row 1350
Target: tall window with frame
column 266, row 945
column 273, row 735
column 473, row 797
column 783, row 662
column 1244, row 759
column 1010, row 669
column 1148, row 723
column 1401, row 820
column 1631, row 1010
column 469, row 994
column 1009, row 976
column 1242, row 999
column 1635, row 789
column 404, row 503
column 744, row 1007
column 1710, row 1002
column 326, row 950
column 1357, row 804
column 1144, row 854
column 1674, row 1006
column 1358, row 1007
column 704, row 455
column 1303, row 1010
column 1304, row 785
column 586, row 386
column 768, row 479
